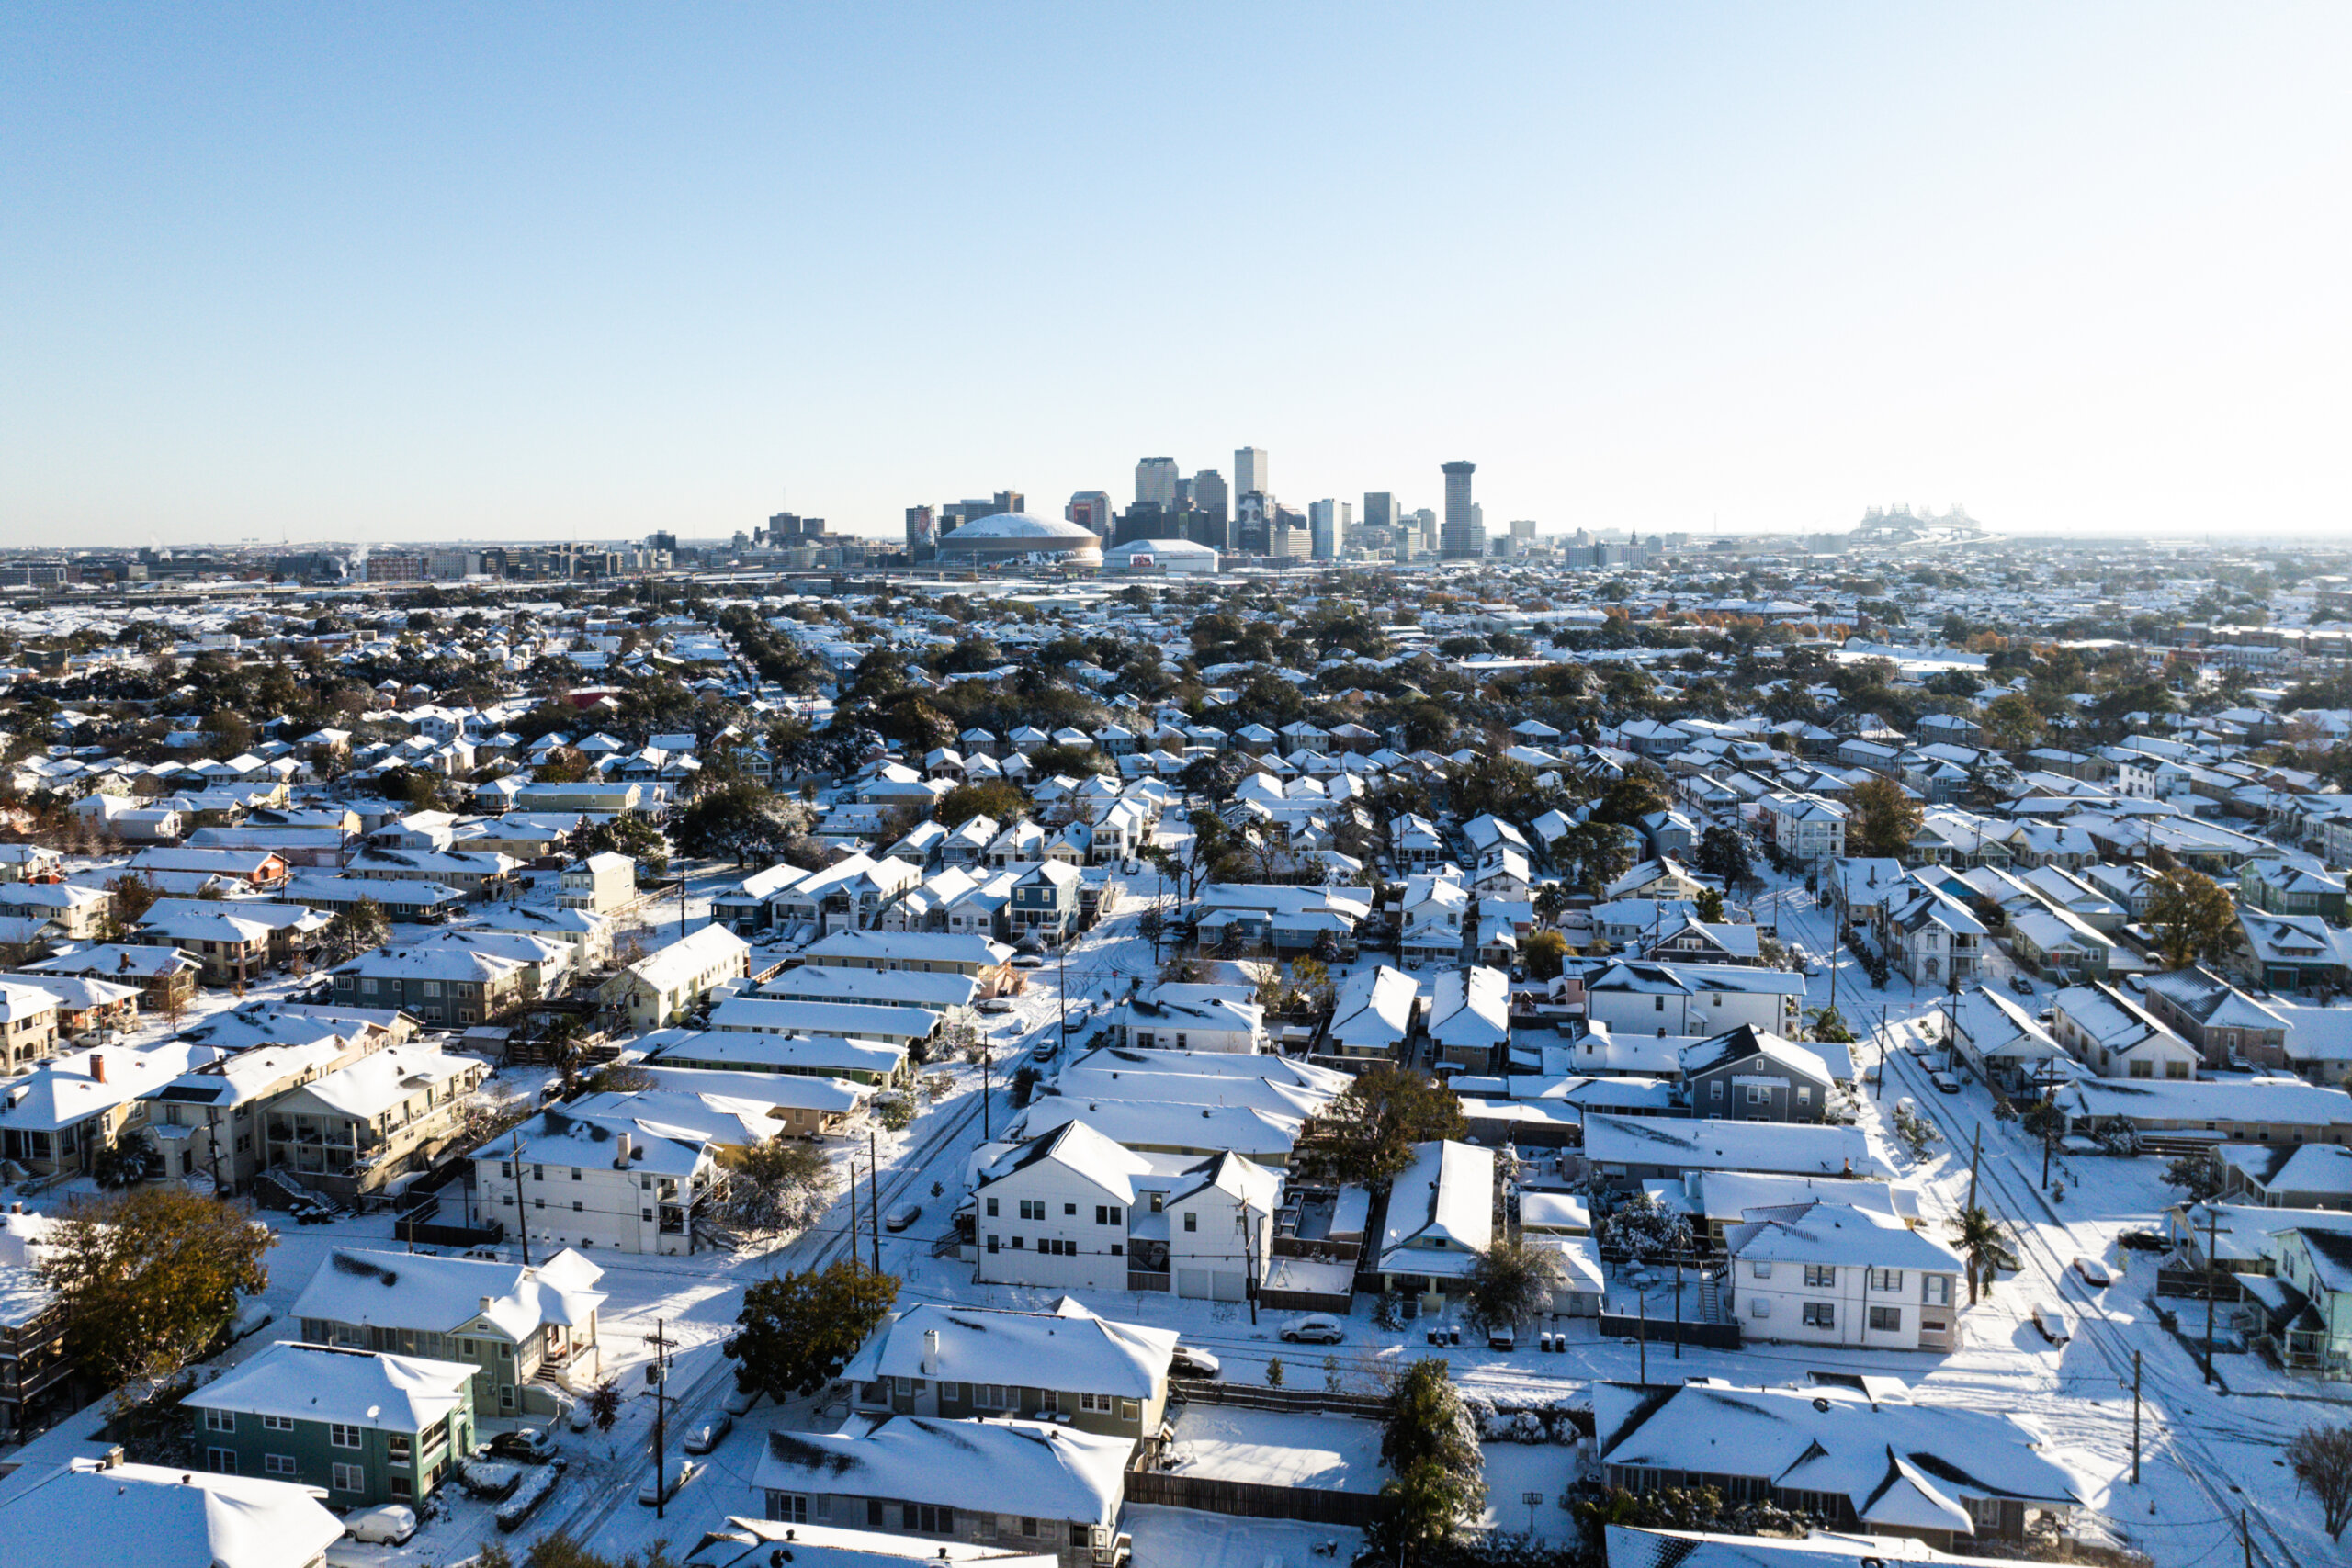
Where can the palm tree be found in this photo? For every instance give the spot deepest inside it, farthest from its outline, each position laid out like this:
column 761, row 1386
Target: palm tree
column 1986, row 1245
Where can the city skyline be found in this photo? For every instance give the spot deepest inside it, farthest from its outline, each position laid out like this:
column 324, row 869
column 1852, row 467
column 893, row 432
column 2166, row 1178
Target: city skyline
column 514, row 276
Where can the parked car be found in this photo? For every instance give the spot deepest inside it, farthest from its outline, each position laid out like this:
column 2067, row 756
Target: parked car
column 1027, row 960
column 532, row 1445
column 706, row 1436
column 993, row 1005
column 1315, row 1329
column 2095, row 1274
column 387, row 1524
column 2021, row 985
column 2053, row 1322
column 740, row 1400
column 2142, row 1241
column 902, row 1216
column 1944, row 1082
column 1501, row 1337
column 1194, row 1363
column 681, row 1472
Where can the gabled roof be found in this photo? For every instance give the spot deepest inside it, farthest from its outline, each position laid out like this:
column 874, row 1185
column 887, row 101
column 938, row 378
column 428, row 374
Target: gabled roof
column 1072, row 1346
column 438, row 1294
column 151, row 1517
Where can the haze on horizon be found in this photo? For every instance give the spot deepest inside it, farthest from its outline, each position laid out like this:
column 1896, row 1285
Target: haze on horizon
column 539, row 271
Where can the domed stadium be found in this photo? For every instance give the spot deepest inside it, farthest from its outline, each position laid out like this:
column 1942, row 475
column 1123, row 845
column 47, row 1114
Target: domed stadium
column 1017, row 539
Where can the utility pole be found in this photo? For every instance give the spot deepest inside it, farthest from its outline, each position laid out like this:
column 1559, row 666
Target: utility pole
column 1645, row 1300
column 1249, row 1260
column 2135, row 1418
column 2211, row 1221
column 682, row 894
column 873, row 1193
column 2246, row 1538
column 853, row 1210
column 657, row 1374
column 522, row 1211
column 988, row 1053
column 1677, row 1306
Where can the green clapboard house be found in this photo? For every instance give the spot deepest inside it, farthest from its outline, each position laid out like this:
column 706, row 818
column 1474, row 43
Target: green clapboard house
column 363, row 1427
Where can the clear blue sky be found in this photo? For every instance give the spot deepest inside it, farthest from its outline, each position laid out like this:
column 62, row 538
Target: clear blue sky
column 418, row 271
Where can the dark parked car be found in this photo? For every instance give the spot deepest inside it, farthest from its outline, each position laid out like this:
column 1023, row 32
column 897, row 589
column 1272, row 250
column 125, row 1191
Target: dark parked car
column 532, row 1445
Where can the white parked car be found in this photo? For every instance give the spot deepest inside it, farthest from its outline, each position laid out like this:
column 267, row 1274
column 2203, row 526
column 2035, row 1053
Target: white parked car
column 2053, row 1322
column 388, row 1523
column 681, row 1472
column 902, row 1216
column 1315, row 1329
column 2095, row 1274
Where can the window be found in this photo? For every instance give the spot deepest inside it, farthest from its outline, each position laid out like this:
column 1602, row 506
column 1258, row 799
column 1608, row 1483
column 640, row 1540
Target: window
column 1886, row 1320
column 1109, row 1214
column 578, row 1207
column 341, row 1436
column 1657, row 1004
column 1936, row 1289
column 2144, row 1069
column 788, row 1508
column 1032, row 1209
column 349, row 1478
column 992, row 1243
column 1094, row 1404
column 1715, row 1091
column 539, row 1173
column 507, row 1168
column 1759, row 1094
column 277, row 1464
column 1761, row 1270
column 397, row 1445
column 1069, row 1211
column 506, row 1351
column 277, row 1423
column 1759, row 1306
column 1886, row 1278
column 645, row 1215
column 1130, row 1410
column 575, row 1173
column 1191, row 1220
column 1820, row 1277
column 1180, row 1042
column 990, row 1396
column 1805, row 1095
column 432, row 987
column 1077, row 1535
column 1017, row 1243
column 1821, row 1315
column 221, row 1461
column 927, row 1519
column 1028, row 1526
column 992, row 1208
column 874, row 1513
column 220, row 1420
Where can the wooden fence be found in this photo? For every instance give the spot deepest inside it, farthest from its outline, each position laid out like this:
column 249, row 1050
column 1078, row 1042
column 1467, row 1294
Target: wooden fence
column 1251, row 1499
column 1665, row 1331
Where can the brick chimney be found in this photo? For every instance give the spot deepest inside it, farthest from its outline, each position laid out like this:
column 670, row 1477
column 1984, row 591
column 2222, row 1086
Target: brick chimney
column 98, row 1066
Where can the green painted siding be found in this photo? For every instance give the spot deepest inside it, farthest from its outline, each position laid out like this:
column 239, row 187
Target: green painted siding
column 387, row 1474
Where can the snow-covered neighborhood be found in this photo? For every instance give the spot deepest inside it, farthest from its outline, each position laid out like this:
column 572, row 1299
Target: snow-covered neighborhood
column 1617, row 1051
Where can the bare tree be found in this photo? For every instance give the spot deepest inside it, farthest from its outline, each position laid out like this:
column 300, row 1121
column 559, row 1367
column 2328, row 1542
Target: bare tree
column 2321, row 1458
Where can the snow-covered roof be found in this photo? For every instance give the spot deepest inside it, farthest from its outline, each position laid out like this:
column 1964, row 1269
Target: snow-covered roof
column 153, row 1517
column 1072, row 1346
column 439, row 1295
column 1051, row 1472
column 356, row 1388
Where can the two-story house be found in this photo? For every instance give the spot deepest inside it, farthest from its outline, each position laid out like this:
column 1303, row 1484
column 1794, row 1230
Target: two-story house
column 2220, row 1021
column 602, row 883
column 363, row 1427
column 449, row 984
column 598, row 1182
column 1752, row 1075
column 522, row 1329
column 659, row 987
column 34, row 1368
column 1046, row 902
column 349, row 1131
column 1826, row 1273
